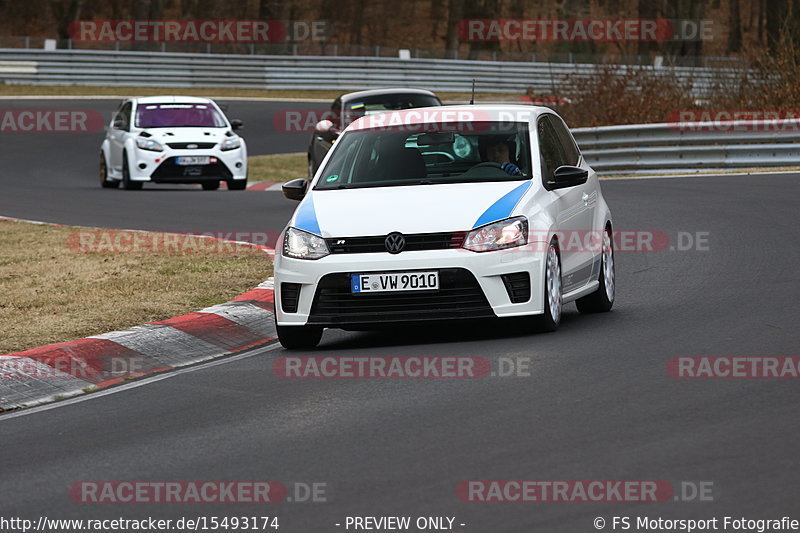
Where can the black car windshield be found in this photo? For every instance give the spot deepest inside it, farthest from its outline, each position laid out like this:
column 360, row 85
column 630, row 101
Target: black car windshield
column 359, row 107
column 178, row 116
column 457, row 152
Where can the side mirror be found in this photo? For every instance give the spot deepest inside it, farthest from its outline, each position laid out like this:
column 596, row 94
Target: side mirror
column 324, row 126
column 237, row 124
column 295, row 189
column 119, row 124
column 567, row 176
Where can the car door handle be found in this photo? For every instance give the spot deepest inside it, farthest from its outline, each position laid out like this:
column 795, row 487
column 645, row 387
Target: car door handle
column 585, row 198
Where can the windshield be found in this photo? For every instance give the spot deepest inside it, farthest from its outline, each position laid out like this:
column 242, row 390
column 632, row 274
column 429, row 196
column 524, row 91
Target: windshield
column 178, row 116
column 433, row 153
column 354, row 109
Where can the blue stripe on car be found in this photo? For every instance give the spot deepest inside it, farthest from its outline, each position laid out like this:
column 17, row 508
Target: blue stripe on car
column 306, row 218
column 503, row 207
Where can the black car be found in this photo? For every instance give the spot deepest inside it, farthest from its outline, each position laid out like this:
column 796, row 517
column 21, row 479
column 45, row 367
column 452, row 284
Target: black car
column 348, row 107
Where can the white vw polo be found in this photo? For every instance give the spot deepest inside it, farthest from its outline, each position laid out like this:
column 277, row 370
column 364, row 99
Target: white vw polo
column 469, row 212
column 172, row 139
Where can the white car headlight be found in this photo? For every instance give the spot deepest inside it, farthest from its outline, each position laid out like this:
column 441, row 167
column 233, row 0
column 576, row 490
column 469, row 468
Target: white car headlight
column 145, row 143
column 231, row 144
column 508, row 233
column 303, row 245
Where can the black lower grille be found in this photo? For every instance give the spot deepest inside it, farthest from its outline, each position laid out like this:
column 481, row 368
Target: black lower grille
column 194, row 146
column 168, row 171
column 459, row 296
column 290, row 296
column 518, row 286
column 414, row 242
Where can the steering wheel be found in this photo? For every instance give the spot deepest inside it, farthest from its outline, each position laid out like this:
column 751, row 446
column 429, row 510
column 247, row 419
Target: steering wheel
column 489, row 164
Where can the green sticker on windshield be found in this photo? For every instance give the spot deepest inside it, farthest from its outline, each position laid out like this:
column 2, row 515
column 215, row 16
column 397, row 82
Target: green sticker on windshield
column 332, row 178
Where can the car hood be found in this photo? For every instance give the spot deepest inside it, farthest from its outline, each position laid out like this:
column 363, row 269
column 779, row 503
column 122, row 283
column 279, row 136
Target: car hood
column 168, row 135
column 409, row 209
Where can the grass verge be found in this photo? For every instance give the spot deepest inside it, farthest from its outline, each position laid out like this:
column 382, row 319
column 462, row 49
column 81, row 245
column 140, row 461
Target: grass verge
column 751, row 170
column 51, row 293
column 277, row 168
column 327, row 95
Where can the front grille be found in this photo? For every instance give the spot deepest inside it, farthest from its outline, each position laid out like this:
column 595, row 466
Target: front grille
column 290, row 296
column 414, row 242
column 459, row 296
column 518, row 286
column 196, row 146
column 169, row 171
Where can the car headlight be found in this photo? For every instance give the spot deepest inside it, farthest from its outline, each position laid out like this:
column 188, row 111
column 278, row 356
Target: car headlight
column 231, row 144
column 303, row 245
column 508, row 233
column 146, row 143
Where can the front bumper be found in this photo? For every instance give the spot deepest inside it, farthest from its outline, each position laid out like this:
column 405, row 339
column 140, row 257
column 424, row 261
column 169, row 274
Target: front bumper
column 472, row 285
column 160, row 167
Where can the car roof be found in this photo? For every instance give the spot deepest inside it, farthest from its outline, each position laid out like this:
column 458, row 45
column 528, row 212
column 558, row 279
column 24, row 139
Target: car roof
column 171, row 100
column 386, row 91
column 457, row 113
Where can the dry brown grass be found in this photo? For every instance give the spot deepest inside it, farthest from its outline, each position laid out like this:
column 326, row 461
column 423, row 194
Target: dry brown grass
column 49, row 293
column 277, row 168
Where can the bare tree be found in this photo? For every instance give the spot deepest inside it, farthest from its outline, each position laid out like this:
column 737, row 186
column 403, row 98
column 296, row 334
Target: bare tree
column 735, row 29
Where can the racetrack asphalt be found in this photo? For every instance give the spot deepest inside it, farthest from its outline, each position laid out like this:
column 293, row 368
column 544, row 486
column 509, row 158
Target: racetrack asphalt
column 598, row 403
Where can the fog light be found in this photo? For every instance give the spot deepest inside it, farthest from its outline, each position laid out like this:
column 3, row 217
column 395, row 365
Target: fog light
column 239, row 164
column 142, row 166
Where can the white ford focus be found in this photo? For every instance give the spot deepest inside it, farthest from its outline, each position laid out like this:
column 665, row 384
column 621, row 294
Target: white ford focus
column 172, row 139
column 468, row 212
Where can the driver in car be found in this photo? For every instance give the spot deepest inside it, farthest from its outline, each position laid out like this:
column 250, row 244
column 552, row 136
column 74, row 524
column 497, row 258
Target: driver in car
column 498, row 150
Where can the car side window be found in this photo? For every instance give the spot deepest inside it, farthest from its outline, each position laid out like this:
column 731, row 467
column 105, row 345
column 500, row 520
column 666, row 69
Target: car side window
column 570, row 149
column 550, row 150
column 124, row 114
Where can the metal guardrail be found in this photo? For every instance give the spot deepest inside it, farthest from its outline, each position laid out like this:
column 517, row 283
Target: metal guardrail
column 631, row 148
column 111, row 68
column 690, row 146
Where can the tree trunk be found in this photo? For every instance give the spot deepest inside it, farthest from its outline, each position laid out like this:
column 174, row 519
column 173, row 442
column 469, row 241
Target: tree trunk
column 735, row 30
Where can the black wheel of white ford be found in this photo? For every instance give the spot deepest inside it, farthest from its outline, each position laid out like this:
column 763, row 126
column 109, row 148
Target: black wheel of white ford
column 127, row 184
column 299, row 337
column 103, row 174
column 551, row 318
column 602, row 299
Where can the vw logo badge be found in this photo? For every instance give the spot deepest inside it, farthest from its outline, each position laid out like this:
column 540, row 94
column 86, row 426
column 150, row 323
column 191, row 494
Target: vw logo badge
column 395, row 242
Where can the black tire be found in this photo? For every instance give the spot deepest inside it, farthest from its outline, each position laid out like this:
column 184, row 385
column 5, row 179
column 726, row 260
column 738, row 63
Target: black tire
column 210, row 185
column 547, row 322
column 127, row 184
column 237, row 185
column 299, row 337
column 103, row 174
column 602, row 299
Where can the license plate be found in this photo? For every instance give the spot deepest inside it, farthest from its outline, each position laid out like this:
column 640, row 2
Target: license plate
column 193, row 160
column 394, row 282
